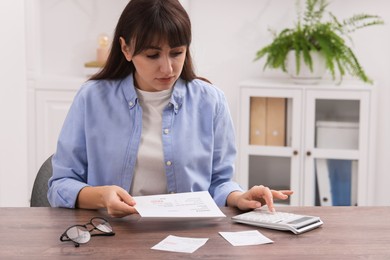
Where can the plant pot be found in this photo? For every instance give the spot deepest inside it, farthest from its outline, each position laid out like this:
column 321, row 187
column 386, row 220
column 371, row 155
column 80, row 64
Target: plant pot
column 305, row 75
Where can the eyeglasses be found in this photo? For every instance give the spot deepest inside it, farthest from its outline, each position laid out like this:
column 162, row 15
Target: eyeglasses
column 81, row 234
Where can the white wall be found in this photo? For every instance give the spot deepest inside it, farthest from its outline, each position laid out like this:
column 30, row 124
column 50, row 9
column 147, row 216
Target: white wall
column 227, row 34
column 13, row 105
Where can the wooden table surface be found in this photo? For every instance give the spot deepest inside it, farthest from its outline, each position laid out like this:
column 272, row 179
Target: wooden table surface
column 347, row 233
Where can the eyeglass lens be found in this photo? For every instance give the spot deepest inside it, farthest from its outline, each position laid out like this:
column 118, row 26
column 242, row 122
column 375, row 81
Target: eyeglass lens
column 78, row 234
column 101, row 224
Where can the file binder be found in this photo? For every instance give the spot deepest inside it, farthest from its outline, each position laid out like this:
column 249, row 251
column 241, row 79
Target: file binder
column 336, row 181
column 267, row 121
column 276, row 121
column 257, row 120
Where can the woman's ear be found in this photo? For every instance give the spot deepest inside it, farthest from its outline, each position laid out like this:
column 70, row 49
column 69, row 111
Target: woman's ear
column 125, row 49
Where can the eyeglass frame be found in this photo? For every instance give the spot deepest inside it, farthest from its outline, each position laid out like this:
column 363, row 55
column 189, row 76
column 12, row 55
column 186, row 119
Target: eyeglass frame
column 64, row 237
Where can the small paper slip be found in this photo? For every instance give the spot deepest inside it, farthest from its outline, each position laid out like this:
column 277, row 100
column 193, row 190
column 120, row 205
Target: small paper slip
column 179, row 205
column 180, row 244
column 246, row 238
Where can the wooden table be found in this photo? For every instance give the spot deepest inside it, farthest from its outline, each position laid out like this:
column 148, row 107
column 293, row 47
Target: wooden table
column 347, row 233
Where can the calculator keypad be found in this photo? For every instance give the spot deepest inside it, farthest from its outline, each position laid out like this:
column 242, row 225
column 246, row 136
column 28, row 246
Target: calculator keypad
column 275, row 217
column 279, row 220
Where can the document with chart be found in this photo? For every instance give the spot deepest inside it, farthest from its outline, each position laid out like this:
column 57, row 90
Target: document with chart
column 179, row 205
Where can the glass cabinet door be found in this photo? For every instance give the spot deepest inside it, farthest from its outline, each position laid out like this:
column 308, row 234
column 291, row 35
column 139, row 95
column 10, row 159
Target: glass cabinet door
column 333, row 147
column 270, row 139
column 271, row 171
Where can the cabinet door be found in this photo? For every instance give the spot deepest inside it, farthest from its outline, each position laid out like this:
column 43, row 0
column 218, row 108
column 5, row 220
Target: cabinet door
column 51, row 110
column 336, row 139
column 270, row 126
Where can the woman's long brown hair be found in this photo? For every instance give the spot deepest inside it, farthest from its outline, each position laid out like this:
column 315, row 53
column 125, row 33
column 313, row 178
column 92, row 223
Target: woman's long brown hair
column 145, row 23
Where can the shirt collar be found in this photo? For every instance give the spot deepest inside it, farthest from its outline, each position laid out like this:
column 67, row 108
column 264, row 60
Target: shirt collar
column 179, row 90
column 128, row 88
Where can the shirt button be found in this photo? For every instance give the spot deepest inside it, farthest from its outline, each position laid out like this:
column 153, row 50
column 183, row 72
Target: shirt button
column 131, row 103
column 169, row 163
column 166, row 131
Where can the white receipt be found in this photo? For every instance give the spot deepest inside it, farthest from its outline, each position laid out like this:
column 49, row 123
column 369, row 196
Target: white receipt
column 246, row 238
column 178, row 205
column 180, row 244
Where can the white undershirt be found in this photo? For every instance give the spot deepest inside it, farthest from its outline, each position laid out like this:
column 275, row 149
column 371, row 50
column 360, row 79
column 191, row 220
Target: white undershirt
column 149, row 174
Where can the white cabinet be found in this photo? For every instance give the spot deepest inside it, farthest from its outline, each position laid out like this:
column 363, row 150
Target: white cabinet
column 323, row 149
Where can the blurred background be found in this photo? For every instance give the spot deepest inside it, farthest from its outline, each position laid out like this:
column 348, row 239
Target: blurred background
column 46, row 43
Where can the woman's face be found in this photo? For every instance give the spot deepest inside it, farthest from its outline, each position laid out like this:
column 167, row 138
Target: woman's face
column 157, row 67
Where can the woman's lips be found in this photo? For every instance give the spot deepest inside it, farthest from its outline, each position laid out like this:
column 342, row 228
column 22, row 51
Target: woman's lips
column 165, row 79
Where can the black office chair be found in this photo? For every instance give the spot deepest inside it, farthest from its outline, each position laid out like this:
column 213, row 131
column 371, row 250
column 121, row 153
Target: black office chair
column 39, row 191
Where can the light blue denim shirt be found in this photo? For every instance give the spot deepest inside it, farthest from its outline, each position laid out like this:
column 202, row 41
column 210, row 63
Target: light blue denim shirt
column 99, row 141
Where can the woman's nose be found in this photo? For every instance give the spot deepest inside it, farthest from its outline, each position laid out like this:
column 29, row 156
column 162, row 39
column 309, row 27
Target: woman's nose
column 166, row 66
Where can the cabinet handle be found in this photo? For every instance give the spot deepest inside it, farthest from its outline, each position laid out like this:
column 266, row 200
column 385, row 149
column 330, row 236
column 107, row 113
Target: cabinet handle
column 308, row 153
column 295, row 152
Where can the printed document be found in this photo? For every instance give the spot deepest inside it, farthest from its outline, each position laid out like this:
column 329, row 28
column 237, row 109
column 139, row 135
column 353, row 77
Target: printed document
column 178, row 205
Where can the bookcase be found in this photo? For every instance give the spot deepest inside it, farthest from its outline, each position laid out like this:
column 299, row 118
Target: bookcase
column 314, row 139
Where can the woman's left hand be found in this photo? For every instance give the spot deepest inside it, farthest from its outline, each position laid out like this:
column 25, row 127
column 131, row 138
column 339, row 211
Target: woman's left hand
column 256, row 197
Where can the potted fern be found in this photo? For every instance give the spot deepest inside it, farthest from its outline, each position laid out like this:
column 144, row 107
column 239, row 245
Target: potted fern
column 312, row 37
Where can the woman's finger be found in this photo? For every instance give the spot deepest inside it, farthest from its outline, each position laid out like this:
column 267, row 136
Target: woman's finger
column 268, row 197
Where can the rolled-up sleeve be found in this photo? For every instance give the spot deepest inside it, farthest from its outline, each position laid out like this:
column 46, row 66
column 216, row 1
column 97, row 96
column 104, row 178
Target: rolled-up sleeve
column 224, row 155
column 69, row 161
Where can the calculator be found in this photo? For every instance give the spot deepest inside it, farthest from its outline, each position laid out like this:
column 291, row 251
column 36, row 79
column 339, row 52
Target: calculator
column 279, row 220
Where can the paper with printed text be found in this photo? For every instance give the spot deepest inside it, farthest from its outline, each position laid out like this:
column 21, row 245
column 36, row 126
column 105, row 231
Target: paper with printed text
column 178, row 205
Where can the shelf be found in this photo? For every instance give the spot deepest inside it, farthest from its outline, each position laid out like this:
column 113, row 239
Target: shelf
column 347, row 84
column 269, row 150
column 336, row 154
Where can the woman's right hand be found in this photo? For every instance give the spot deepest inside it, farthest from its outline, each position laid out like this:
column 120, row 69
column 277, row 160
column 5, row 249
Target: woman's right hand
column 118, row 202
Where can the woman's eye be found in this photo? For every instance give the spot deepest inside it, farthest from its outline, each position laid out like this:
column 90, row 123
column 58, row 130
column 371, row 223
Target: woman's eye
column 176, row 53
column 152, row 56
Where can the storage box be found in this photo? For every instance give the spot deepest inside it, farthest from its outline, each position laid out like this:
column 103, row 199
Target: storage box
column 337, row 135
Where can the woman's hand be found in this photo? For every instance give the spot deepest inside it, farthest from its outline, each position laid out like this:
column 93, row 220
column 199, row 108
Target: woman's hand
column 115, row 199
column 118, row 202
column 256, row 197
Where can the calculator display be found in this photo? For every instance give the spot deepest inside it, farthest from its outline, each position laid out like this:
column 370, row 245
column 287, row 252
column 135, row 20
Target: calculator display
column 299, row 220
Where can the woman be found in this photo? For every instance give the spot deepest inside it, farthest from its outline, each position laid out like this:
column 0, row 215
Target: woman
column 146, row 124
